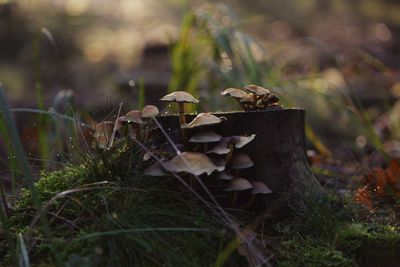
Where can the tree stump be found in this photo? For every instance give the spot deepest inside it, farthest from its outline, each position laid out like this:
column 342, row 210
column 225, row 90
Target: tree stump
column 278, row 150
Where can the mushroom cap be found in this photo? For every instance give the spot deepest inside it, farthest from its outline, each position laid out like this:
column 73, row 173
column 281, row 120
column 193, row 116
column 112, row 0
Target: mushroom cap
column 260, row 188
column 241, row 141
column 100, row 141
column 247, row 99
column 224, row 176
column 155, row 170
column 221, row 148
column 179, row 96
column 238, row 184
column 147, row 156
column 197, row 164
column 134, row 116
column 241, row 161
column 205, row 137
column 258, row 90
column 235, row 93
column 103, row 128
column 203, row 119
column 150, row 111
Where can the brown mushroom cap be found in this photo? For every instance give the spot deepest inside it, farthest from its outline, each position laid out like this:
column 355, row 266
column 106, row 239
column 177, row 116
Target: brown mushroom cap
column 241, row 141
column 103, row 128
column 258, row 90
column 155, row 170
column 205, row 137
column 197, row 164
column 241, row 161
column 203, row 119
column 260, row 188
column 238, row 184
column 179, row 96
column 100, row 141
column 134, row 116
column 235, row 93
column 150, row 111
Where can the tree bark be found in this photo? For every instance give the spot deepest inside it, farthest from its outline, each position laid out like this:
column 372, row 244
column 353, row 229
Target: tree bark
column 278, row 150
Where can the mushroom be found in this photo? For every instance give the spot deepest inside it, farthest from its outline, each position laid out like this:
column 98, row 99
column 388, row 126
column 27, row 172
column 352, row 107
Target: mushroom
column 203, row 119
column 258, row 188
column 221, row 148
column 193, row 163
column 149, row 112
column 103, row 128
column 238, row 94
column 241, row 161
column 205, row 137
column 181, row 97
column 258, row 91
column 237, row 184
column 155, row 170
column 100, row 142
column 134, row 117
column 241, row 141
column 224, row 176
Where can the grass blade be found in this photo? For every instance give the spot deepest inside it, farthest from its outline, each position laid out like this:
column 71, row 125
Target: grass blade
column 23, row 258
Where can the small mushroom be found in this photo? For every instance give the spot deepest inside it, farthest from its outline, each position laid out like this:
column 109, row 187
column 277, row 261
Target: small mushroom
column 239, row 95
column 100, row 142
column 270, row 100
column 134, row 117
column 203, row 119
column 241, row 161
column 237, row 184
column 181, row 97
column 224, row 176
column 221, row 148
column 155, row 170
column 241, row 141
column 193, row 163
column 258, row 91
column 149, row 112
column 103, row 128
column 205, row 137
column 258, row 188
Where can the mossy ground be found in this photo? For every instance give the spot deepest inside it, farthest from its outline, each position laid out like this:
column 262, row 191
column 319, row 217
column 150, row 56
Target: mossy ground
column 332, row 233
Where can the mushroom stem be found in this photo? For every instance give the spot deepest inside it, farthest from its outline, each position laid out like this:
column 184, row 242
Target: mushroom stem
column 136, row 128
column 126, row 134
column 251, row 200
column 182, row 119
column 228, row 156
column 234, row 199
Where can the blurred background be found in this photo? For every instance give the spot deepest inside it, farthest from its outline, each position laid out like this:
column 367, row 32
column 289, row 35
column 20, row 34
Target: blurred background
column 338, row 59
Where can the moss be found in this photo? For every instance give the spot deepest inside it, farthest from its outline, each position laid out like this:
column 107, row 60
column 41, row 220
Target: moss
column 370, row 244
column 300, row 251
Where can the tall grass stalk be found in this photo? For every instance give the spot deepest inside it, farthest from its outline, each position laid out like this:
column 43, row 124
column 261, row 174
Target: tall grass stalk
column 43, row 146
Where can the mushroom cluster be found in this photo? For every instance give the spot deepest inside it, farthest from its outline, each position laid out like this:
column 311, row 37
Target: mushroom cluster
column 258, row 97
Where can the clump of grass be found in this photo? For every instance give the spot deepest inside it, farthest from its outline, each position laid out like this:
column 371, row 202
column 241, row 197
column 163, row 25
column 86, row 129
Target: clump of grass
column 111, row 214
